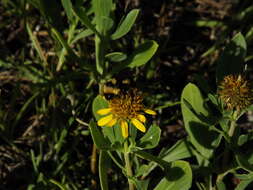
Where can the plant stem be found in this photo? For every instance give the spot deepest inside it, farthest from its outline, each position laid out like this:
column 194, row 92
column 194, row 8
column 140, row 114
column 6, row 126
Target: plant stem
column 93, row 161
column 93, row 164
column 128, row 166
column 227, row 153
column 116, row 161
column 232, row 125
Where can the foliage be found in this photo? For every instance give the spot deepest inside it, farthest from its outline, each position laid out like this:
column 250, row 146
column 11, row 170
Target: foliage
column 56, row 58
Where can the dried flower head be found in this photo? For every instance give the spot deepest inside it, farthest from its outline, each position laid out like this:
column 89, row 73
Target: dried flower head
column 236, row 92
column 124, row 108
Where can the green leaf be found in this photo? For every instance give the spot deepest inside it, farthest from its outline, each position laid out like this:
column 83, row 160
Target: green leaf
column 63, row 42
column 224, row 123
column 67, row 50
column 100, row 54
column 64, row 158
column 34, row 74
column 58, row 184
column 214, row 99
column 126, row 25
column 115, row 135
column 232, row 58
column 206, row 23
column 245, row 159
column 98, row 103
column 151, row 138
column 142, row 154
column 221, row 185
column 104, row 25
column 245, row 182
column 67, row 5
column 201, row 136
column 141, row 55
column 83, row 34
column 81, row 14
column 179, row 176
column 61, row 140
column 36, row 45
column 5, row 64
column 142, row 169
column 102, row 9
column 116, row 56
column 104, row 159
column 35, row 162
column 141, row 184
column 181, row 150
column 98, row 138
column 31, row 187
column 24, row 108
column 244, row 138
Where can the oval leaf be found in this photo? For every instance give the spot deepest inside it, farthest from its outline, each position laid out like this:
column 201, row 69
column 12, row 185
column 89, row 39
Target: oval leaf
column 126, row 25
column 245, row 158
column 116, row 56
column 142, row 54
column 232, row 58
column 102, row 11
column 98, row 103
column 83, row 34
column 98, row 137
column 194, row 114
column 179, row 177
column 181, row 150
column 151, row 138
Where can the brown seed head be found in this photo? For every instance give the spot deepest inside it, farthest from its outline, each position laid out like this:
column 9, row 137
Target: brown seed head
column 236, row 92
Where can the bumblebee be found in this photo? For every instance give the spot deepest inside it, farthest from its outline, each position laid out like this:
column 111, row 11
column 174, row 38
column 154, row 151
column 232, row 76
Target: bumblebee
column 114, row 87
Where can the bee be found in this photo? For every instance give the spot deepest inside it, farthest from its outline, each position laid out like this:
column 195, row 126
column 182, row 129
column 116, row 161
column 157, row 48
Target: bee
column 114, row 87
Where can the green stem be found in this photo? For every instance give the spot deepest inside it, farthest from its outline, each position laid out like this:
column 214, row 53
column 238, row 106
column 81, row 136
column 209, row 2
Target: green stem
column 101, row 86
column 232, row 125
column 210, row 182
column 116, row 161
column 227, row 152
column 129, row 171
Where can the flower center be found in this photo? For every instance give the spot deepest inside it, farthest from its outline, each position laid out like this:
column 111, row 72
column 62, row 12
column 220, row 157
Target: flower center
column 127, row 106
column 236, row 92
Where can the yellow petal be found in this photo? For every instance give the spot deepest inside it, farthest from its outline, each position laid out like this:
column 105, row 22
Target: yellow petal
column 124, row 128
column 104, row 120
column 138, row 125
column 104, row 111
column 142, row 118
column 112, row 122
column 149, row 111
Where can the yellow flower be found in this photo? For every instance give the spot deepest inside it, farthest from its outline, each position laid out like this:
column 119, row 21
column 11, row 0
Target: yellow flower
column 124, row 108
column 236, row 92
